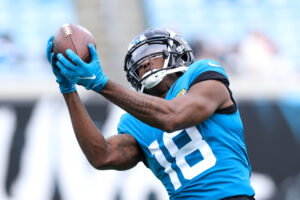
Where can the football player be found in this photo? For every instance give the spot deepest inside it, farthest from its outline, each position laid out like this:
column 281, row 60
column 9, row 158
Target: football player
column 182, row 120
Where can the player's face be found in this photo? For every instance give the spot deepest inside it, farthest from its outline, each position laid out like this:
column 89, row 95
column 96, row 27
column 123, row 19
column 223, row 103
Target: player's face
column 154, row 62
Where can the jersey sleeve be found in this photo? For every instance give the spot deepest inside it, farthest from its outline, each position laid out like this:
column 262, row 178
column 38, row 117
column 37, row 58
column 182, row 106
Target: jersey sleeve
column 207, row 70
column 124, row 125
column 211, row 75
column 211, row 70
column 130, row 125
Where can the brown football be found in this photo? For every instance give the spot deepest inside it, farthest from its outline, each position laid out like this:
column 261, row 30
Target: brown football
column 74, row 37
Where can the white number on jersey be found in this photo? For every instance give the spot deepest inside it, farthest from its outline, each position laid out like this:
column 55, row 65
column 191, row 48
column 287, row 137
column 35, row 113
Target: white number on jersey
column 194, row 145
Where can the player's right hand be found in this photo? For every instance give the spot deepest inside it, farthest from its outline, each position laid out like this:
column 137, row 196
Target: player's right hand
column 65, row 85
column 89, row 75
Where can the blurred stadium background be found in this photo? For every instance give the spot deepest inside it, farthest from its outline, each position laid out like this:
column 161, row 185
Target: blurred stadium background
column 257, row 41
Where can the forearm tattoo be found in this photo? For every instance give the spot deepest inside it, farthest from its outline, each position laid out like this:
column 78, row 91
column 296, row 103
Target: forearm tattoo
column 138, row 103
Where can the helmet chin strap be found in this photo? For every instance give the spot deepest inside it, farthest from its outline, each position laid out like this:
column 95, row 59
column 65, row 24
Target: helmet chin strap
column 155, row 78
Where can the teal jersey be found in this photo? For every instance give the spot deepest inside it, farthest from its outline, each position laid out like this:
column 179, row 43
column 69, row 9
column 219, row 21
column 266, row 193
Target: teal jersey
column 206, row 161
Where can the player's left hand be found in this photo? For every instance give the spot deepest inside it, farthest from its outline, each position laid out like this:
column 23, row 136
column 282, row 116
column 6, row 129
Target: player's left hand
column 89, row 75
column 65, row 85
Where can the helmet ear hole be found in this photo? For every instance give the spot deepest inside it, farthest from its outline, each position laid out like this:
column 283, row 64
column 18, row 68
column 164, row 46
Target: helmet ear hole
column 184, row 57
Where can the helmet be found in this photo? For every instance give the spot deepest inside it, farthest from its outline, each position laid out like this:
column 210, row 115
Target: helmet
column 176, row 52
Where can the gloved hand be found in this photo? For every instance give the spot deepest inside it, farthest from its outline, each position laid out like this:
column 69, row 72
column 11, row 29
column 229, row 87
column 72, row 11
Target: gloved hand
column 89, row 75
column 65, row 85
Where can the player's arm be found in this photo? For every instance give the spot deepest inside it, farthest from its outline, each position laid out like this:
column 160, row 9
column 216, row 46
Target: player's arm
column 201, row 101
column 116, row 152
column 184, row 111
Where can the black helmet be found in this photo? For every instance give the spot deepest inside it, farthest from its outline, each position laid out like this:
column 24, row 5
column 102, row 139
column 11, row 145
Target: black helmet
column 176, row 52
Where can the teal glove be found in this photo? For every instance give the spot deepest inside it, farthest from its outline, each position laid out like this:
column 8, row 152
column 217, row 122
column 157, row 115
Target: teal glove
column 89, row 75
column 65, row 85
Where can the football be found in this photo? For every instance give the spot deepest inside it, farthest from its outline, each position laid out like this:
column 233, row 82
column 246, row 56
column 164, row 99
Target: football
column 74, row 37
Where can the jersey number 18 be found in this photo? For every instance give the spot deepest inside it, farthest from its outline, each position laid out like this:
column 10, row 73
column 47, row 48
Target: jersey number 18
column 195, row 148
